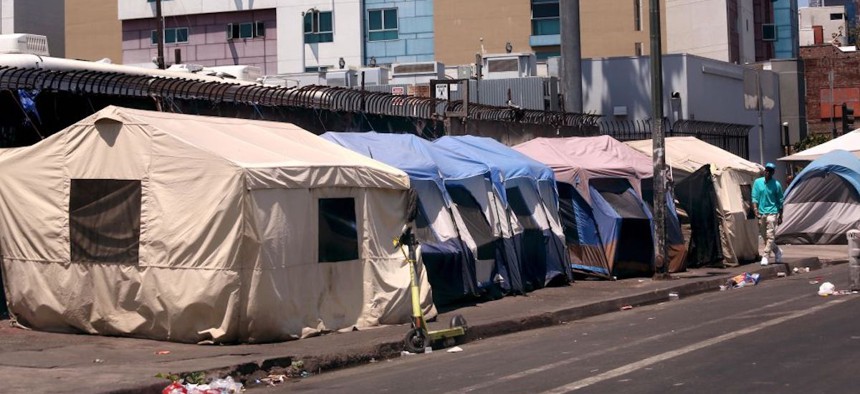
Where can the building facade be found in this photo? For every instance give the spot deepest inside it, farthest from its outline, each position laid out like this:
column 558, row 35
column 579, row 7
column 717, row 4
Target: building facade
column 27, row 16
column 730, row 31
column 315, row 34
column 695, row 88
column 398, row 31
column 92, row 30
column 608, row 28
column 820, row 25
column 785, row 18
column 823, row 103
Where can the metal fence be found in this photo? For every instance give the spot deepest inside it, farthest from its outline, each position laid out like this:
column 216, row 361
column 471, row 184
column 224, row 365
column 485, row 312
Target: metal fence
column 728, row 136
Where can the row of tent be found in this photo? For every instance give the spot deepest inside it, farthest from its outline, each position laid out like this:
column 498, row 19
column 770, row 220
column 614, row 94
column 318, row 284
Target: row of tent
column 192, row 228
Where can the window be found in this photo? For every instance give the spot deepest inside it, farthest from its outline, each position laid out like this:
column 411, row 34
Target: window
column 637, row 15
column 545, row 18
column 637, row 49
column 382, row 24
column 104, row 220
column 173, row 35
column 318, row 27
column 768, row 32
column 836, row 17
column 338, row 231
column 246, row 30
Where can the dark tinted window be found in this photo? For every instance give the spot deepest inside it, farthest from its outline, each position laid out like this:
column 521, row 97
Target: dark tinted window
column 338, row 233
column 104, row 220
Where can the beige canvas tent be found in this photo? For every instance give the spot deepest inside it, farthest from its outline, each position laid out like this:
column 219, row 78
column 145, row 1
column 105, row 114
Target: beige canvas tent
column 732, row 177
column 190, row 228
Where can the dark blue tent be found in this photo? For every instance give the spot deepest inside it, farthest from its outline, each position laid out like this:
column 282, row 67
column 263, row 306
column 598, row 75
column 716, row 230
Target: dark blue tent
column 531, row 220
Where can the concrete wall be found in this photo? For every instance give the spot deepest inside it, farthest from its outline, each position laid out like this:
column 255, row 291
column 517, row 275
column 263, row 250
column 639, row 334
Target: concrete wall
column 7, row 16
column 207, row 41
column 93, row 30
column 459, row 25
column 710, row 90
column 820, row 16
column 415, row 32
column 792, row 97
column 608, row 28
column 20, row 16
column 699, row 28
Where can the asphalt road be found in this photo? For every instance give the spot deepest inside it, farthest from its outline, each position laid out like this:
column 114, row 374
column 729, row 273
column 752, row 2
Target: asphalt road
column 777, row 337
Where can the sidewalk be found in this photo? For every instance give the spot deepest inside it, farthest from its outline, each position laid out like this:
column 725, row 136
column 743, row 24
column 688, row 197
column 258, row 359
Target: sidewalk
column 48, row 362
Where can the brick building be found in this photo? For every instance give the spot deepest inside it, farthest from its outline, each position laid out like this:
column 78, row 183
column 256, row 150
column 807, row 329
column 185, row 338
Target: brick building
column 818, row 62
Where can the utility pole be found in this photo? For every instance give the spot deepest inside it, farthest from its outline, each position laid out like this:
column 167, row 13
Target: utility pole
column 571, row 56
column 159, row 34
column 658, row 137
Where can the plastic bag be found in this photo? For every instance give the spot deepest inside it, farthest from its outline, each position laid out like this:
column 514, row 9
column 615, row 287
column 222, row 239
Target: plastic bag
column 826, row 289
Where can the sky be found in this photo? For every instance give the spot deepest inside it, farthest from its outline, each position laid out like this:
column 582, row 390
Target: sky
column 802, row 3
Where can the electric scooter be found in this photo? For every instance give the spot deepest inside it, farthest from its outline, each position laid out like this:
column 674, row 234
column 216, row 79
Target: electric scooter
column 420, row 337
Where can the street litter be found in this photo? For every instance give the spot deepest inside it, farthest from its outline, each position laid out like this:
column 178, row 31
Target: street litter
column 795, row 270
column 626, row 308
column 826, row 289
column 98, row 361
column 216, row 386
column 780, row 274
column 673, row 296
column 273, row 380
column 742, row 280
column 297, row 370
column 455, row 349
column 162, row 352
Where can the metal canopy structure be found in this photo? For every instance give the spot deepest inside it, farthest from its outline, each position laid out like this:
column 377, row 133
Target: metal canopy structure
column 334, row 99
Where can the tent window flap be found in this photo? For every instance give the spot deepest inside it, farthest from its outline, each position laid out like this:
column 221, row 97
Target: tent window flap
column 338, row 234
column 104, row 220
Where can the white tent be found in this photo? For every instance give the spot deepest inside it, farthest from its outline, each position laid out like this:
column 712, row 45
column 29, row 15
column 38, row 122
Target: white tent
column 849, row 142
column 732, row 179
column 191, row 228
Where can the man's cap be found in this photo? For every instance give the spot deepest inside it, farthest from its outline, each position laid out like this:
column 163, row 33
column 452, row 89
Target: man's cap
column 770, row 166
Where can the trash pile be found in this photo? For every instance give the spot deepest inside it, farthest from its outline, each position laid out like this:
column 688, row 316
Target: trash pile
column 741, row 280
column 216, row 386
column 828, row 289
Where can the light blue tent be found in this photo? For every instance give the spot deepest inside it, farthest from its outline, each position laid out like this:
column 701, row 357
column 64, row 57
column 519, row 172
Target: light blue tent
column 823, row 201
column 533, row 229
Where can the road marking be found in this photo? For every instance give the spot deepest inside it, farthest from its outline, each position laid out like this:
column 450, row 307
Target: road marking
column 686, row 349
column 584, row 356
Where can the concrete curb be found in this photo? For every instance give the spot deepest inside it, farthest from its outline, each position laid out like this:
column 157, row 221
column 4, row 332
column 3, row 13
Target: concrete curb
column 392, row 348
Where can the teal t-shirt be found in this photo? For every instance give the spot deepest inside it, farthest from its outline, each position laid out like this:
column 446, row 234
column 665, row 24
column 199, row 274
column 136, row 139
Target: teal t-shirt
column 768, row 195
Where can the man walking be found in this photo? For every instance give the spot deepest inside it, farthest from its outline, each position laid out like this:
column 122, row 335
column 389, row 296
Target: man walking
column 767, row 199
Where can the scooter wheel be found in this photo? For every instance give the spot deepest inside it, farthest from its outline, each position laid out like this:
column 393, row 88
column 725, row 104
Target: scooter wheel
column 416, row 340
column 458, row 321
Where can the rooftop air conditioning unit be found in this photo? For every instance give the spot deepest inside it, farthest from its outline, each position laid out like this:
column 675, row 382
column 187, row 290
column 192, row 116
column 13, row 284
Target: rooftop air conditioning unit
column 416, row 73
column 29, row 44
column 341, row 78
column 373, row 76
column 510, row 65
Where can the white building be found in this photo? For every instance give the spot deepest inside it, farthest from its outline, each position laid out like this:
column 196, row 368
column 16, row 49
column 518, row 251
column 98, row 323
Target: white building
column 831, row 22
column 279, row 36
column 712, row 29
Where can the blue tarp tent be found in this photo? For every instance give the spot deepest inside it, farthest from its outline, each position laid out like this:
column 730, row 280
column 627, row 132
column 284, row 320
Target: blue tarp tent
column 823, row 201
column 531, row 220
column 456, row 207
